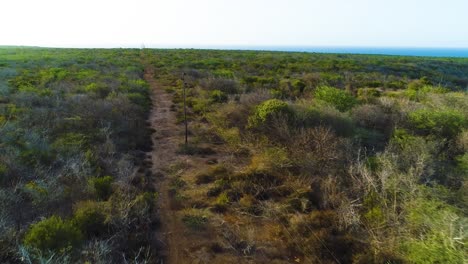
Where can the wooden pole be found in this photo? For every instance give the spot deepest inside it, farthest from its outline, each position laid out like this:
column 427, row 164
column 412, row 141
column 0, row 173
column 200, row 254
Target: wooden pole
column 185, row 114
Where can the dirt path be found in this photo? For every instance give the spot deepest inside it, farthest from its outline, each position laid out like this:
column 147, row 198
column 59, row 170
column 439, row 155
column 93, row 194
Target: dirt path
column 165, row 142
column 223, row 236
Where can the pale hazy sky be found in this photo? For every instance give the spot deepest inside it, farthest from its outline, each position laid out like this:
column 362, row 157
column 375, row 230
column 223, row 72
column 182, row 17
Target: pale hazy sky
column 192, row 23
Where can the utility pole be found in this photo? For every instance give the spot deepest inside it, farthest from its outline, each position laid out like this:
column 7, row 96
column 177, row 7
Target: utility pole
column 185, row 112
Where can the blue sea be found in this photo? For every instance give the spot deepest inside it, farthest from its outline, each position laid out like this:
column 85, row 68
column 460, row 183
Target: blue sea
column 426, row 52
column 402, row 51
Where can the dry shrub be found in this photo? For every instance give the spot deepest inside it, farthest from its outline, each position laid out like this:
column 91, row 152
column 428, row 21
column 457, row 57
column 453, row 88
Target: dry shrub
column 372, row 117
column 8, row 245
column 97, row 251
column 131, row 209
column 332, row 196
column 230, row 115
column 260, row 184
column 270, row 159
column 317, row 149
column 238, row 239
column 227, row 86
column 312, row 79
column 349, row 214
column 279, row 128
column 317, row 236
column 230, row 120
column 249, row 204
column 311, row 113
column 254, row 98
column 213, row 173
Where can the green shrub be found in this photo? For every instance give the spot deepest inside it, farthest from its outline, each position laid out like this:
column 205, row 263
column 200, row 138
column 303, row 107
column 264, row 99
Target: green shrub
column 144, row 204
column 139, row 99
column 102, row 186
column 3, row 170
column 445, row 123
column 86, row 74
column 462, row 163
column 217, row 96
column 396, row 84
column 34, row 155
column 227, row 86
column 221, row 203
column 373, row 212
column 98, row 89
column 299, row 86
column 327, row 116
column 272, row 158
column 415, row 85
column 90, row 218
column 195, row 221
column 138, row 86
column 200, row 105
column 340, row 99
column 289, row 88
column 53, row 234
column 278, row 94
column 369, row 138
column 420, row 93
column 222, row 199
column 372, row 163
column 38, row 191
column 192, row 149
column 437, row 232
column 268, row 109
column 210, row 175
column 368, row 94
column 69, row 143
column 223, row 73
column 32, row 89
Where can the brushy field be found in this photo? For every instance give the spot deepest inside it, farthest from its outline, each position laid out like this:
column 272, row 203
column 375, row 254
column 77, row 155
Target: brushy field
column 72, row 134
column 307, row 158
column 314, row 158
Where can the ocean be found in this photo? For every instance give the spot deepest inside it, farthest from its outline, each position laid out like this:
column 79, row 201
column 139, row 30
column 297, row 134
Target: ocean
column 426, row 52
column 401, row 51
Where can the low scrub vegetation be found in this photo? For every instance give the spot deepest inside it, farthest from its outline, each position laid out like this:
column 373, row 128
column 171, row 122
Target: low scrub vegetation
column 341, row 158
column 293, row 157
column 72, row 123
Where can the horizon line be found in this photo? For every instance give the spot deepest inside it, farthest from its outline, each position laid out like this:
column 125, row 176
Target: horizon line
column 196, row 46
column 428, row 52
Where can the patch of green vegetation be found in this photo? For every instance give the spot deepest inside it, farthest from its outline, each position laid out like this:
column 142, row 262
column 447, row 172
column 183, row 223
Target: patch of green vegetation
column 102, row 186
column 90, row 217
column 267, row 110
column 446, row 123
column 341, row 100
column 195, row 221
column 53, row 234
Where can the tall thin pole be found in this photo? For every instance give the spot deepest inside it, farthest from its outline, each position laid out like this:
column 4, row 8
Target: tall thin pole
column 185, row 113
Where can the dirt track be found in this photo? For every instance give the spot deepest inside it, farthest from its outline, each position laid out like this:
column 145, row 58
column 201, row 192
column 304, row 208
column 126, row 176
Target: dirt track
column 165, row 142
column 178, row 244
